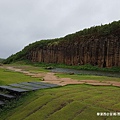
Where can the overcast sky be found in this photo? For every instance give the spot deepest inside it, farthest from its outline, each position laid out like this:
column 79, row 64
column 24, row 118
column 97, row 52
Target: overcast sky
column 25, row 21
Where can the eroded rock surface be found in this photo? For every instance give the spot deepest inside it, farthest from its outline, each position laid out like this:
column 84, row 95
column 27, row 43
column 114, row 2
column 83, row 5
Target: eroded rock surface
column 101, row 51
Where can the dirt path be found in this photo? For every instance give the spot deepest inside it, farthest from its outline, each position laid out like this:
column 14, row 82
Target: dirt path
column 51, row 78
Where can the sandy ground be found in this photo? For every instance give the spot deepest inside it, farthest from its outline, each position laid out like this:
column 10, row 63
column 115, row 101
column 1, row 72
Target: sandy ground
column 51, row 78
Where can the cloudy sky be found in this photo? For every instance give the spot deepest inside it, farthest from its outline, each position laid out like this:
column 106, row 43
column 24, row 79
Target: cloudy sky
column 25, row 21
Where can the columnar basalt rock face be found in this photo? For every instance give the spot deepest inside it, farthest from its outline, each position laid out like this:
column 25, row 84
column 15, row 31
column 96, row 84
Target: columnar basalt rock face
column 103, row 51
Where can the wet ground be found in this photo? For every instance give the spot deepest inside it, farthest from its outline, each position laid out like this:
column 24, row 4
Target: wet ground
column 99, row 73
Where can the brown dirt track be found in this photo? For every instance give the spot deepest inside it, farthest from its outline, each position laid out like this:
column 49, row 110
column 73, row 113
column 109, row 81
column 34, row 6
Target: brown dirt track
column 51, row 78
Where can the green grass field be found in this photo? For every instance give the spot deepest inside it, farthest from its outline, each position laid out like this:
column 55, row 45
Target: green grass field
column 71, row 102
column 8, row 77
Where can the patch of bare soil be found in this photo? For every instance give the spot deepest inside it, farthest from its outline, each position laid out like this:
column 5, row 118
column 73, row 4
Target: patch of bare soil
column 51, row 78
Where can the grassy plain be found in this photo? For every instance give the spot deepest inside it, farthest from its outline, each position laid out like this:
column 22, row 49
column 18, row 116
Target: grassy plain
column 8, row 77
column 71, row 102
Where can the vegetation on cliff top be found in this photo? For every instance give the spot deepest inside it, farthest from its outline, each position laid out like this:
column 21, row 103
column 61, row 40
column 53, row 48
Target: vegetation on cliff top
column 98, row 31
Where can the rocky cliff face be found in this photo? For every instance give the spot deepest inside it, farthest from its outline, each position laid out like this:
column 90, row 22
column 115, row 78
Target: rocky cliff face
column 101, row 51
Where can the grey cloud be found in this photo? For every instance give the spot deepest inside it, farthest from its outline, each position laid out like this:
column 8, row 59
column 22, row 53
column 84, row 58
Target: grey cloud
column 25, row 21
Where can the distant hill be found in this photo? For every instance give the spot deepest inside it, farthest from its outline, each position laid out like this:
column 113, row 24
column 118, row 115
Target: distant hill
column 1, row 60
column 98, row 45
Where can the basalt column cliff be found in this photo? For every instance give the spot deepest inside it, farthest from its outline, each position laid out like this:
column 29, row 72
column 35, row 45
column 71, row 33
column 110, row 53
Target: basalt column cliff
column 98, row 45
column 104, row 52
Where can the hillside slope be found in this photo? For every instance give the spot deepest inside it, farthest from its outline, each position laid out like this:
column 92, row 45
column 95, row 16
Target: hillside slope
column 72, row 102
column 98, row 45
